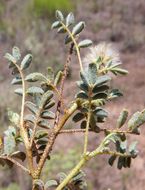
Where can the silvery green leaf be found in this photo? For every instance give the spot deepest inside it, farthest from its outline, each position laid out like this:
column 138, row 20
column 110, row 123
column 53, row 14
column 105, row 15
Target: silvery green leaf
column 78, row 28
column 34, row 77
column 19, row 91
column 44, row 124
column 82, row 95
column 85, row 43
column 70, row 19
column 19, row 155
column 9, row 140
column 101, row 80
column 48, row 115
column 68, row 39
column 32, row 107
column 41, row 133
column 58, row 78
column 92, row 73
column 78, row 117
column 34, row 90
column 102, row 88
column 13, row 117
column 117, row 70
column 16, row 53
column 101, row 95
column 56, row 24
column 45, row 98
column 29, row 117
column 51, row 183
column 59, row 15
column 16, row 80
column 26, row 61
column 10, row 58
column 122, row 118
column 61, row 30
column 50, row 104
column 83, row 86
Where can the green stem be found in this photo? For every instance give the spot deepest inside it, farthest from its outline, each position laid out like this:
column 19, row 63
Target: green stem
column 76, row 45
column 72, row 174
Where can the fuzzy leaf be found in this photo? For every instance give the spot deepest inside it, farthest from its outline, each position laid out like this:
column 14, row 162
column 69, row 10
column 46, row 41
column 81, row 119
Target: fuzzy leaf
column 32, row 107
column 19, row 155
column 51, row 183
column 68, row 39
column 78, row 117
column 16, row 80
column 13, row 117
column 10, row 58
column 112, row 160
column 45, row 98
column 83, row 86
column 34, row 90
column 101, row 95
column 34, row 77
column 19, row 91
column 58, row 78
column 101, row 80
column 61, row 30
column 70, row 19
column 44, row 124
column 48, row 115
column 122, row 118
column 16, row 53
column 26, row 61
column 119, row 71
column 82, row 95
column 92, row 73
column 85, row 43
column 78, row 28
column 136, row 120
column 40, row 134
column 9, row 141
column 102, row 88
column 59, row 15
column 56, row 24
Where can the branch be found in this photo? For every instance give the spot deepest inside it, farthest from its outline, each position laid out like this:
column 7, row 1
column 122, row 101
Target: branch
column 16, row 163
column 78, row 131
column 23, row 130
column 53, row 136
column 83, row 161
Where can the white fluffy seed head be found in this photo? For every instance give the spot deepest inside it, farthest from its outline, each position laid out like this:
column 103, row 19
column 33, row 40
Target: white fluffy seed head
column 104, row 51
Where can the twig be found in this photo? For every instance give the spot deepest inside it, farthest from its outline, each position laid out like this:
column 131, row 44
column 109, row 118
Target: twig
column 15, row 162
column 76, row 45
column 53, row 136
column 65, row 72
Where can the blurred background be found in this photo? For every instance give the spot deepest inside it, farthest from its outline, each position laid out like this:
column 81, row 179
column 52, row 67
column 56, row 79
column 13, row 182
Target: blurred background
column 27, row 24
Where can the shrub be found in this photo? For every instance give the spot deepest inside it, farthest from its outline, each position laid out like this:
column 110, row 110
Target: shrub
column 44, row 114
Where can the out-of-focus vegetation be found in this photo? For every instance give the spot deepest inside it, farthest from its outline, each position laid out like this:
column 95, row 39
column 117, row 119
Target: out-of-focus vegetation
column 12, row 186
column 48, row 7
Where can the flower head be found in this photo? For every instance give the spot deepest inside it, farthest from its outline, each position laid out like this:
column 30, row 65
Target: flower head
column 103, row 53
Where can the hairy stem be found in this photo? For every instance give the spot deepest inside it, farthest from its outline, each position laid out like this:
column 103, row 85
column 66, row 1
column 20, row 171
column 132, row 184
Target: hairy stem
column 83, row 161
column 23, row 130
column 86, row 133
column 76, row 45
column 53, row 136
column 16, row 163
